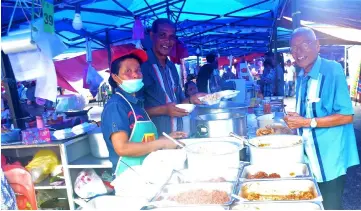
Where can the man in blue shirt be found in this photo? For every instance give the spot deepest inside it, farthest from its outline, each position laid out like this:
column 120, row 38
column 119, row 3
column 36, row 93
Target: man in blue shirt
column 162, row 89
column 324, row 117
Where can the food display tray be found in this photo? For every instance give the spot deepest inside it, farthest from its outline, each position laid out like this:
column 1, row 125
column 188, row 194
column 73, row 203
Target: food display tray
column 278, row 188
column 291, row 170
column 194, row 176
column 286, row 206
column 162, row 198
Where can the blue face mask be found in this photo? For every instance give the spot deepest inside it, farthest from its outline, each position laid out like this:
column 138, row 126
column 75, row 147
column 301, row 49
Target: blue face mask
column 131, row 86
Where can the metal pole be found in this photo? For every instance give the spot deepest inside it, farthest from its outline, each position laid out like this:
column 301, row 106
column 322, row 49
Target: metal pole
column 11, row 89
column 196, row 71
column 296, row 14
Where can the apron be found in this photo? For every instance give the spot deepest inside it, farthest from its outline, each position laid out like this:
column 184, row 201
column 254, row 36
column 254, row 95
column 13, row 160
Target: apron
column 167, row 98
column 309, row 134
column 143, row 131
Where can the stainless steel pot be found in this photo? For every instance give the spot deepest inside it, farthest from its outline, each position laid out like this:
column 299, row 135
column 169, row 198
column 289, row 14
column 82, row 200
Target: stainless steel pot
column 222, row 107
column 219, row 125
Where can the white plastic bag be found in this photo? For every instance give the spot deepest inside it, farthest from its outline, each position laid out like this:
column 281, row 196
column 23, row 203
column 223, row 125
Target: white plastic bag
column 88, row 184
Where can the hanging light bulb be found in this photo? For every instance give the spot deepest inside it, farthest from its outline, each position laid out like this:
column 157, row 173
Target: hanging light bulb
column 198, row 51
column 77, row 23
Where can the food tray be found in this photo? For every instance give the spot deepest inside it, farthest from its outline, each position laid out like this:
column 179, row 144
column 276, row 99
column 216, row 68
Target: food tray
column 162, row 199
column 215, row 98
column 277, row 206
column 194, row 176
column 188, row 208
column 228, row 94
column 294, row 170
column 267, row 188
column 210, row 99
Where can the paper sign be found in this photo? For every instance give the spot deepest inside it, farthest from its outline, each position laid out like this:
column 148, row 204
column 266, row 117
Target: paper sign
column 48, row 16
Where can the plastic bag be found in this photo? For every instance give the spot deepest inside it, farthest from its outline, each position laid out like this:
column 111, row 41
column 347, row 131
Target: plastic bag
column 93, row 80
column 88, row 184
column 43, row 163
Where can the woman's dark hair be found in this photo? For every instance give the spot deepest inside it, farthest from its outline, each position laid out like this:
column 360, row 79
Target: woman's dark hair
column 186, row 85
column 114, row 69
column 268, row 63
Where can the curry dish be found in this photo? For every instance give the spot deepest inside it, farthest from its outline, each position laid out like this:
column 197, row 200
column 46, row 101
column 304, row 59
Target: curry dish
column 265, row 131
column 293, row 195
column 263, row 175
column 302, row 195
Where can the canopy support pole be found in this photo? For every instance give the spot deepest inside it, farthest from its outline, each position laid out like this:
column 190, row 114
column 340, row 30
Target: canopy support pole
column 11, row 89
column 296, row 14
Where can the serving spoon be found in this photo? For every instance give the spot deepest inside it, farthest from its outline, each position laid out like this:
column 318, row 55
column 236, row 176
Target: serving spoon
column 245, row 141
column 178, row 143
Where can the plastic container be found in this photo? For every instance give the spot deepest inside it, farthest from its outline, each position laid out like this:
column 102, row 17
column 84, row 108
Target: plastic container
column 98, row 147
column 10, row 137
column 213, row 155
column 282, row 149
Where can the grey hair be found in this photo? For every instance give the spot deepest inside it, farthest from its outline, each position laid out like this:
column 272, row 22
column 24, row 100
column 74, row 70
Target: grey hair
column 304, row 31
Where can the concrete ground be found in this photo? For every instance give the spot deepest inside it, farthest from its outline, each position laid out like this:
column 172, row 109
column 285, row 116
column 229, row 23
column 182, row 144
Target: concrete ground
column 352, row 192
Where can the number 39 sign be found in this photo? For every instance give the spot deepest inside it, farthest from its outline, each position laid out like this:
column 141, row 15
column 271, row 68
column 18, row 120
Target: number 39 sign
column 48, row 16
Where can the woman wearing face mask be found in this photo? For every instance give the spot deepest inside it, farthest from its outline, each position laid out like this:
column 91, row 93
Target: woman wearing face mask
column 129, row 133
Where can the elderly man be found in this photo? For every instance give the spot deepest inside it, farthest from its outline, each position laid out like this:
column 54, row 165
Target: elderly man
column 162, row 90
column 324, row 117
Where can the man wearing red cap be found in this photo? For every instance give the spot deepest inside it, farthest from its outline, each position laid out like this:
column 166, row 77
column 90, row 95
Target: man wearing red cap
column 162, row 89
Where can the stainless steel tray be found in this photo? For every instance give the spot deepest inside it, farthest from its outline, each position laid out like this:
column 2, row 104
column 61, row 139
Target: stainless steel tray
column 297, row 170
column 282, row 187
column 188, row 208
column 277, row 206
column 162, row 199
column 193, row 176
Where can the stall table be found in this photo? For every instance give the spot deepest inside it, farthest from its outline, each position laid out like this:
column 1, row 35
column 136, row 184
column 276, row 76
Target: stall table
column 74, row 155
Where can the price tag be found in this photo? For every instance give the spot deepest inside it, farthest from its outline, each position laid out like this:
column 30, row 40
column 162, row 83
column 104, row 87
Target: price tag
column 48, row 16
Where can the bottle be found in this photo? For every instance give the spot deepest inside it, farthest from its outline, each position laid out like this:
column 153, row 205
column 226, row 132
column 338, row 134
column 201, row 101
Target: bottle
column 39, row 122
column 266, row 106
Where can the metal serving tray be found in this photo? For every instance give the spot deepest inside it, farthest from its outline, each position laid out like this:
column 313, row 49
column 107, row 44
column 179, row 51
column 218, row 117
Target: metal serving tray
column 161, row 199
column 296, row 170
column 193, row 176
column 278, row 187
column 188, row 208
column 286, row 206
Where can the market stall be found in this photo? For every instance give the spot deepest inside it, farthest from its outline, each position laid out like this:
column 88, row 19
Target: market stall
column 224, row 172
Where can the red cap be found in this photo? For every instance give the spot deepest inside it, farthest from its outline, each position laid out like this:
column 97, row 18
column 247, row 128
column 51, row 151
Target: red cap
column 123, row 50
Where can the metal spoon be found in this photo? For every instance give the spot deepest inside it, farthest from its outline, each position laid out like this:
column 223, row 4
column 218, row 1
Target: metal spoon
column 245, row 141
column 236, row 197
column 178, row 143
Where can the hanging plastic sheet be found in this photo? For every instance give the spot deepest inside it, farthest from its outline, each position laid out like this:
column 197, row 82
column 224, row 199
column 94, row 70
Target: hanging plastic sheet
column 50, row 44
column 46, row 85
column 93, row 80
column 28, row 65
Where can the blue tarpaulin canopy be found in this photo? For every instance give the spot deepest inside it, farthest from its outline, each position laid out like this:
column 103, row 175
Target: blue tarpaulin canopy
column 235, row 27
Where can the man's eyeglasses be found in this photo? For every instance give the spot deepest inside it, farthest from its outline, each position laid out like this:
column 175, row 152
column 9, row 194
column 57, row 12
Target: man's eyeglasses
column 304, row 46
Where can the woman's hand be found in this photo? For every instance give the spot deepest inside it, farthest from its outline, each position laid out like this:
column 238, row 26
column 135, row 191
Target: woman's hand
column 168, row 144
column 178, row 134
column 165, row 143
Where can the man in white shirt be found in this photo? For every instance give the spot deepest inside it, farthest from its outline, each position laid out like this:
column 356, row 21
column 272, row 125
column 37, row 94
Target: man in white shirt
column 290, row 78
